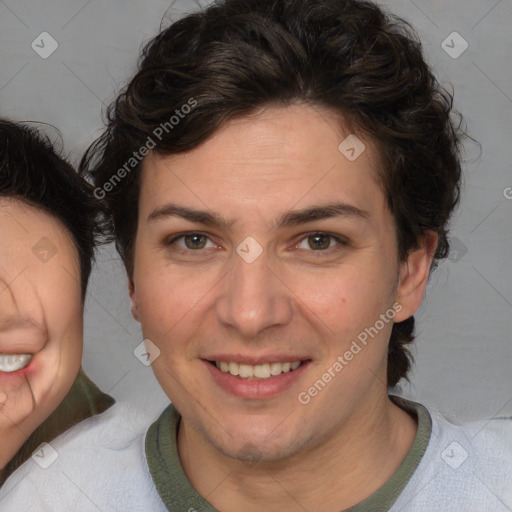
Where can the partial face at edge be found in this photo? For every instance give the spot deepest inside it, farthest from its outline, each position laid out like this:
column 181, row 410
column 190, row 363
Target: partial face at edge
column 314, row 288
column 40, row 316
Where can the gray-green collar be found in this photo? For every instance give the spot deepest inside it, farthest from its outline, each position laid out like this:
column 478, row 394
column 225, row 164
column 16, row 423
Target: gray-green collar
column 178, row 494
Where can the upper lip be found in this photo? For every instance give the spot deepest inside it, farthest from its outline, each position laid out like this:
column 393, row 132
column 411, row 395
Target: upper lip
column 22, row 340
column 255, row 360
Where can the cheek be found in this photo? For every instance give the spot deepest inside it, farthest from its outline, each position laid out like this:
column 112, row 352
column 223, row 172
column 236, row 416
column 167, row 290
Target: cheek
column 165, row 298
column 64, row 316
column 346, row 298
column 59, row 361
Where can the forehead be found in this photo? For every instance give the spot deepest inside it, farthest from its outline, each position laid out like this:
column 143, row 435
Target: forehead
column 296, row 154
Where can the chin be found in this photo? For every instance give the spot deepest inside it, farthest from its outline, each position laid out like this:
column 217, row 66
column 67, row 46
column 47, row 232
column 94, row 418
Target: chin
column 262, row 447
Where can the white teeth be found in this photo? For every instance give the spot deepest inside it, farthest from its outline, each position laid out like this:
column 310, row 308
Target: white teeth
column 13, row 362
column 245, row 371
column 258, row 371
column 276, row 368
column 233, row 368
column 262, row 371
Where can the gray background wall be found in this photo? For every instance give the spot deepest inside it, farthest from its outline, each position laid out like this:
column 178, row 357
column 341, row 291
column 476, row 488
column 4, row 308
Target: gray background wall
column 464, row 346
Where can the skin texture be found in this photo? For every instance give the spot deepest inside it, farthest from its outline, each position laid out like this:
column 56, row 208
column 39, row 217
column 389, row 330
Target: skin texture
column 40, row 313
column 294, row 299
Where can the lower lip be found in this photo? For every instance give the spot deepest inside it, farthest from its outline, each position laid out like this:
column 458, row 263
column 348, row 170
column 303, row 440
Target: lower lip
column 18, row 375
column 255, row 389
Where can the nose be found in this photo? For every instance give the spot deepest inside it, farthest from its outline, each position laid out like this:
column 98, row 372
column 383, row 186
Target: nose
column 253, row 299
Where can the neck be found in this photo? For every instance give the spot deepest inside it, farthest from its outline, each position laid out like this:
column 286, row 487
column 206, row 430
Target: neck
column 345, row 469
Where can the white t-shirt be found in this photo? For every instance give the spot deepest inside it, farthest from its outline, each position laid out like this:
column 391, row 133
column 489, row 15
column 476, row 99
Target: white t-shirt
column 101, row 466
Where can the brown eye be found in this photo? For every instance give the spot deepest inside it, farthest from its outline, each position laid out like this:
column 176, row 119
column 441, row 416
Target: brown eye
column 191, row 242
column 322, row 243
column 319, row 242
column 195, row 241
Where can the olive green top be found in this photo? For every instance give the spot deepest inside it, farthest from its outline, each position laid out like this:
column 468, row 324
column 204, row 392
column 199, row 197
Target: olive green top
column 83, row 400
column 178, row 494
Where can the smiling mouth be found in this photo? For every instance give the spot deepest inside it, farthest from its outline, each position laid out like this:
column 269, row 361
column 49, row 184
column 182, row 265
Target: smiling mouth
column 256, row 372
column 13, row 362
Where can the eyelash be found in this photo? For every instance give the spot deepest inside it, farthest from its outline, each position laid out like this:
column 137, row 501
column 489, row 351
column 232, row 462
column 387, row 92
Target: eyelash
column 342, row 242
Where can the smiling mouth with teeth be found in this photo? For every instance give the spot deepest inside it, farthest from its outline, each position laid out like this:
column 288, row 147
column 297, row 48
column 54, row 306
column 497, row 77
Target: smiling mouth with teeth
column 13, row 362
column 258, row 371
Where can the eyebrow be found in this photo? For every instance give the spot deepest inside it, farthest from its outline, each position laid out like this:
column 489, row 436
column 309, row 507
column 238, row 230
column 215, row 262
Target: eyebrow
column 288, row 219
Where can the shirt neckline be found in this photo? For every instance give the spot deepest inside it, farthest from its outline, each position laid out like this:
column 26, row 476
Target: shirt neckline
column 178, row 494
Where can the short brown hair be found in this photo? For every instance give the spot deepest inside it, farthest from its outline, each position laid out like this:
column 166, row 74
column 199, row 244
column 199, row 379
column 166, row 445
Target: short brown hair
column 238, row 56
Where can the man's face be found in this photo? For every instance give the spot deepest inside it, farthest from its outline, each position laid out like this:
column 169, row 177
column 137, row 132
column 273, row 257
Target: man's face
column 204, row 293
column 40, row 316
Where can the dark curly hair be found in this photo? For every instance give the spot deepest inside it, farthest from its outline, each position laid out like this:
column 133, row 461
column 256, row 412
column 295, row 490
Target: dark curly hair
column 238, row 56
column 33, row 172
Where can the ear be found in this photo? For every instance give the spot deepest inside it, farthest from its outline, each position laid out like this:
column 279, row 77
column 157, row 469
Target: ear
column 133, row 300
column 413, row 278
